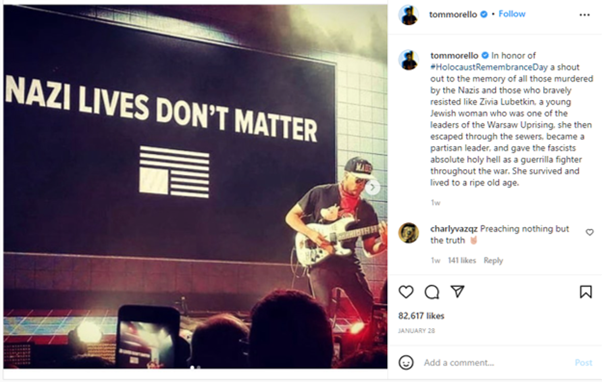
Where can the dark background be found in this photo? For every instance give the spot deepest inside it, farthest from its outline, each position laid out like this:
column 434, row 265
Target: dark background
column 71, row 179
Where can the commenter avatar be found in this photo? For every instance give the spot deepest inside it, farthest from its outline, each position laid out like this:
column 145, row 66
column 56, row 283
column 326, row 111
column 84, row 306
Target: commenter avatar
column 408, row 233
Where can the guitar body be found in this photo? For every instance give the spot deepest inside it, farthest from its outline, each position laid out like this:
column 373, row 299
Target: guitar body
column 308, row 253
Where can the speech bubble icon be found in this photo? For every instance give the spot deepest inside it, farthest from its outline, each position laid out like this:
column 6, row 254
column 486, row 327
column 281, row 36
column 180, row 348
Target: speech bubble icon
column 432, row 292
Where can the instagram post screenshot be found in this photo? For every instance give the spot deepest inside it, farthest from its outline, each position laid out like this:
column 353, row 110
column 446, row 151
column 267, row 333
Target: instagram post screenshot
column 494, row 145
column 329, row 191
column 198, row 187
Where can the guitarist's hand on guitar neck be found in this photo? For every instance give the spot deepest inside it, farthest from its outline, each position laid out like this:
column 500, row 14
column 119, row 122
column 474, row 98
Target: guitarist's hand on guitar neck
column 374, row 248
column 382, row 230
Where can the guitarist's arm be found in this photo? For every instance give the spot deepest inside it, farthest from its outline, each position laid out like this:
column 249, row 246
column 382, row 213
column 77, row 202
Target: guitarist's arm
column 372, row 247
column 294, row 219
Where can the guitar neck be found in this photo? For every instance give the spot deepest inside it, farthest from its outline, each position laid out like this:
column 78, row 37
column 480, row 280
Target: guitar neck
column 357, row 232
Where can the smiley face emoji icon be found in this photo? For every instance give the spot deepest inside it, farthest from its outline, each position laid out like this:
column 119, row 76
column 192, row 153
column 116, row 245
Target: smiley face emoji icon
column 406, row 362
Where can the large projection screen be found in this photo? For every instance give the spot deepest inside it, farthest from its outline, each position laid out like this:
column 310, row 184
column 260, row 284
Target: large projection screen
column 124, row 142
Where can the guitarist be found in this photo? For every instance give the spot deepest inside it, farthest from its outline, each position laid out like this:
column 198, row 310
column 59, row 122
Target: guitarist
column 325, row 204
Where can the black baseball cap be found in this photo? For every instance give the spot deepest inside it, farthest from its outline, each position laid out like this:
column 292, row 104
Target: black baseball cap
column 360, row 168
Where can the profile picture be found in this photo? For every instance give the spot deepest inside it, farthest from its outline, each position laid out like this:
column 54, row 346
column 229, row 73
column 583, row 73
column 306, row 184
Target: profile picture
column 408, row 15
column 408, row 60
column 408, row 233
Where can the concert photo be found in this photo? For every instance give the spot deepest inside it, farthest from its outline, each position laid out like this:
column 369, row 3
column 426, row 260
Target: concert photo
column 195, row 187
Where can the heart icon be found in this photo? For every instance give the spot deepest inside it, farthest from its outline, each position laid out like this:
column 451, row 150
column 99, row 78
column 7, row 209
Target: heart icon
column 589, row 231
column 406, row 290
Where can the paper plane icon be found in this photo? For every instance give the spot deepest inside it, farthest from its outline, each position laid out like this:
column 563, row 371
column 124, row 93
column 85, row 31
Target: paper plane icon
column 458, row 289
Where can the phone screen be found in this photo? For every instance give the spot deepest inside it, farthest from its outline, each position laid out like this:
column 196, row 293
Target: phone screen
column 145, row 345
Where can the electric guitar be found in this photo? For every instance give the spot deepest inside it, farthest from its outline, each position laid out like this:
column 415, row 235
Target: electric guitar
column 308, row 252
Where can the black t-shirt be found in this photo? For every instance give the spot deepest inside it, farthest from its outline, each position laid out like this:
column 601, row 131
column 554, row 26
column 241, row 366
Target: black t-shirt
column 323, row 197
column 409, row 19
column 409, row 64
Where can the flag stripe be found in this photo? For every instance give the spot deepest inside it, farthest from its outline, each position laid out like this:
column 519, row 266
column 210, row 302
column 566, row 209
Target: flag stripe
column 191, row 194
column 173, row 165
column 186, row 180
column 186, row 173
column 171, row 151
column 174, row 158
column 192, row 188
